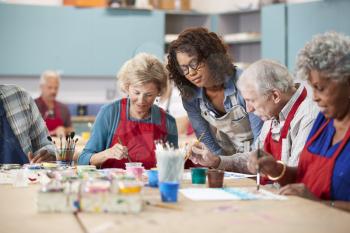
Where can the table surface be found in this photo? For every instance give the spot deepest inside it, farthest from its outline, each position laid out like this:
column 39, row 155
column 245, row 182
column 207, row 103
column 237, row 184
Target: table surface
column 18, row 214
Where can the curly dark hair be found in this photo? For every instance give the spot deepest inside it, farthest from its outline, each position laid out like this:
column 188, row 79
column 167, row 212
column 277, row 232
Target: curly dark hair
column 208, row 48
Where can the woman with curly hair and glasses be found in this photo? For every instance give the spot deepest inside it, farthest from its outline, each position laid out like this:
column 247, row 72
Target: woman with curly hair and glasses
column 201, row 68
column 323, row 172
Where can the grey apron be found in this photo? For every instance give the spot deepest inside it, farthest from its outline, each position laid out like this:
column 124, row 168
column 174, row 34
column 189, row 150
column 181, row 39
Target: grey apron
column 232, row 130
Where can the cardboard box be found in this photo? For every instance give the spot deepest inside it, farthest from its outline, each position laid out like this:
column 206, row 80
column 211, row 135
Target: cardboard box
column 86, row 3
column 171, row 4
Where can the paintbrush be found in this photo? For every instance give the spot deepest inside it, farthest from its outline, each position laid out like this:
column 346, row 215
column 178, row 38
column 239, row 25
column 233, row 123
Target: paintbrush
column 200, row 137
column 163, row 206
column 258, row 169
column 51, row 140
column 127, row 155
column 81, row 224
column 188, row 155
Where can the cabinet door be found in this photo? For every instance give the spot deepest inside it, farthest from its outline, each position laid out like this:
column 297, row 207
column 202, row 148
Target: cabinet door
column 273, row 29
column 308, row 19
column 77, row 41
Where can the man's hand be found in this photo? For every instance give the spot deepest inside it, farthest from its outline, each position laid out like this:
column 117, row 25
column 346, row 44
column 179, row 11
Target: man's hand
column 42, row 156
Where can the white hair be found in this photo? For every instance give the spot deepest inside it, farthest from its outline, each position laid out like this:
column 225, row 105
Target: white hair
column 49, row 74
column 327, row 53
column 266, row 75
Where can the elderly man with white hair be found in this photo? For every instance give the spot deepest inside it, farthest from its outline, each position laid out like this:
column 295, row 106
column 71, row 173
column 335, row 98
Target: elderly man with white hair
column 287, row 111
column 55, row 113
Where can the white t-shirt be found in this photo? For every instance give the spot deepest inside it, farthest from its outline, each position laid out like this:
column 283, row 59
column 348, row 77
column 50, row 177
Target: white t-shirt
column 175, row 107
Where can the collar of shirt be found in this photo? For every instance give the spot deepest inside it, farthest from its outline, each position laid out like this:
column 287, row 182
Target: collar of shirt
column 278, row 124
column 288, row 107
column 230, row 89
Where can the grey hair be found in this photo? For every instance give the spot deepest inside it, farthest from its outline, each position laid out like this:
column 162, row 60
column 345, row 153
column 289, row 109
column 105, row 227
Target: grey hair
column 327, row 53
column 49, row 74
column 267, row 75
column 143, row 68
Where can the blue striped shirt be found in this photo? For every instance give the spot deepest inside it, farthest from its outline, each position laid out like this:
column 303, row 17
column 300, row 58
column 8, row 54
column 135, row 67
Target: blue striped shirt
column 25, row 120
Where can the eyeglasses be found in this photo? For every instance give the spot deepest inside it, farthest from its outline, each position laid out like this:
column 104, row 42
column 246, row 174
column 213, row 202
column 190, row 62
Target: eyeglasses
column 194, row 65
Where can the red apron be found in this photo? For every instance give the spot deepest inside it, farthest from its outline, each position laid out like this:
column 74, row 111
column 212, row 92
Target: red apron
column 275, row 147
column 316, row 171
column 139, row 137
column 52, row 122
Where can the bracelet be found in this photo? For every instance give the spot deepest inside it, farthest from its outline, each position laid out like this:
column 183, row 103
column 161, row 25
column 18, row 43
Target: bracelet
column 282, row 173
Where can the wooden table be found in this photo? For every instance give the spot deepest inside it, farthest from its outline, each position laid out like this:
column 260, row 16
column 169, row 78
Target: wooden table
column 18, row 214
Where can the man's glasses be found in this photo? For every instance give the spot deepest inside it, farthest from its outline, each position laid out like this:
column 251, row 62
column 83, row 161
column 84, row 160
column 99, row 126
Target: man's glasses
column 194, row 65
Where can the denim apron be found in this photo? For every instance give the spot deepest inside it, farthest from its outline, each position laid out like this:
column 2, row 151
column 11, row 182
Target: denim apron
column 10, row 148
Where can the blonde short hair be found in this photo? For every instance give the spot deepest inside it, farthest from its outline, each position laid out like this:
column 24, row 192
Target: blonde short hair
column 143, row 68
column 49, row 74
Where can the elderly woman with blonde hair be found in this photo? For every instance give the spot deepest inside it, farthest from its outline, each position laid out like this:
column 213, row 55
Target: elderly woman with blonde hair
column 129, row 126
column 323, row 172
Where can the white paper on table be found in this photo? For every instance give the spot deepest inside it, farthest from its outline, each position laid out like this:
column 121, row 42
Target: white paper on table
column 235, row 175
column 228, row 175
column 220, row 194
column 8, row 177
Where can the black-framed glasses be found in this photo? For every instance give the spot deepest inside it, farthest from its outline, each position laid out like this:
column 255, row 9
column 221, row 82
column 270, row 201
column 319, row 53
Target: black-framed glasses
column 194, row 65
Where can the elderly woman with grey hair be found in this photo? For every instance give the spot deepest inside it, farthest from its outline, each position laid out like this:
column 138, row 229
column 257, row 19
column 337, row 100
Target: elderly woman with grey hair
column 270, row 92
column 324, row 167
column 129, row 127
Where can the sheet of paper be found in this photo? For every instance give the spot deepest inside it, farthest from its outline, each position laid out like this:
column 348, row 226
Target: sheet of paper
column 210, row 194
column 7, row 177
column 235, row 175
column 228, row 175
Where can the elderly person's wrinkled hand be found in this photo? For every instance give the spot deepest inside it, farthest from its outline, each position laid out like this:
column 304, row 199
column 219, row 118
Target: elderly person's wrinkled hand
column 267, row 163
column 201, row 155
column 297, row 189
column 41, row 156
column 117, row 151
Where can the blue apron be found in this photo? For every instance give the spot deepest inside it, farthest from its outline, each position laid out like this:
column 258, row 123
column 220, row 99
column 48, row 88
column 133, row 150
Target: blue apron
column 10, row 148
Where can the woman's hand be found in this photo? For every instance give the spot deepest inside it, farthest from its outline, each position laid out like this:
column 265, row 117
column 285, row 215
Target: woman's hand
column 297, row 189
column 267, row 163
column 117, row 151
column 201, row 155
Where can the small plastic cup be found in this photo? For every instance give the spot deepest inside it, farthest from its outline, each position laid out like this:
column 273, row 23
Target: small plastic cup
column 136, row 164
column 152, row 178
column 168, row 191
column 198, row 175
column 215, row 178
column 135, row 171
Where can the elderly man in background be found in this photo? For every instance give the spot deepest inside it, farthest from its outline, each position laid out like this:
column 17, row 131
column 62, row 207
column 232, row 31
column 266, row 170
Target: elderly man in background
column 23, row 135
column 288, row 115
column 55, row 114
